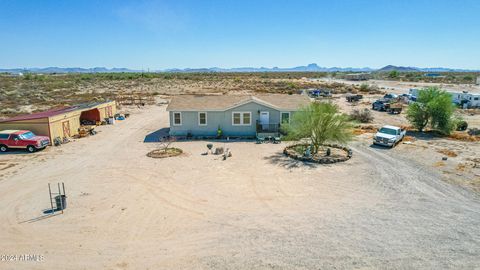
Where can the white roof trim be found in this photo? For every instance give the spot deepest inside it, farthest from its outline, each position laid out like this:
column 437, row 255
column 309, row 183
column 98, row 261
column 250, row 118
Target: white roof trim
column 253, row 99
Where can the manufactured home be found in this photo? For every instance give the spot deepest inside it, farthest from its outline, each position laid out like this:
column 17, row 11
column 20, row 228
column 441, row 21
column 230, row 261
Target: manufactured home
column 232, row 115
column 357, row 76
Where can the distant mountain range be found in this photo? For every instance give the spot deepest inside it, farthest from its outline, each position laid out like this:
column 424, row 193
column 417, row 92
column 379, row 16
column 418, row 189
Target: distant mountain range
column 308, row 68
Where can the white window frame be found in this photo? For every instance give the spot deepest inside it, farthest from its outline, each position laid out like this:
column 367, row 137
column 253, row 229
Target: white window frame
column 206, row 119
column 289, row 117
column 241, row 119
column 181, row 119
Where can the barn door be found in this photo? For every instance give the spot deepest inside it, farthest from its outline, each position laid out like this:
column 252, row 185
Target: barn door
column 66, row 129
column 110, row 111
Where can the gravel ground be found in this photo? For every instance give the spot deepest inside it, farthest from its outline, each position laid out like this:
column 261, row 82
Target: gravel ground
column 256, row 210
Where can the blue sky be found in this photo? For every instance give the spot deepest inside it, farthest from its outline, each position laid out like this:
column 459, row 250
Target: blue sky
column 203, row 33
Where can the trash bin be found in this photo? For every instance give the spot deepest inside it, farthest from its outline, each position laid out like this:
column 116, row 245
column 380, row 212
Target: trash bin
column 61, row 202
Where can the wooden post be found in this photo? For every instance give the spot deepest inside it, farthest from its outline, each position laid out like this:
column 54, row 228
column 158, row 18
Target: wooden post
column 50, row 193
column 60, row 194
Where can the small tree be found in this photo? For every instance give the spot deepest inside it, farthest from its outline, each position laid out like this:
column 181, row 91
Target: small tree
column 165, row 142
column 434, row 107
column 320, row 123
column 393, row 74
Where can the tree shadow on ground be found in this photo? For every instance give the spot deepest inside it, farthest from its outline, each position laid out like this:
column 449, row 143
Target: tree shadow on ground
column 282, row 160
column 425, row 136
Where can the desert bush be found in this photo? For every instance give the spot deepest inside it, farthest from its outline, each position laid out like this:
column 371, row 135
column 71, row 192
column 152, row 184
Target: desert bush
column 362, row 116
column 364, row 87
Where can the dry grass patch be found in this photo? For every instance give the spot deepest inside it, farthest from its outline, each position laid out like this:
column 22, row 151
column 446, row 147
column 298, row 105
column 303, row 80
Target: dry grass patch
column 439, row 164
column 461, row 167
column 448, row 153
column 364, row 129
column 459, row 136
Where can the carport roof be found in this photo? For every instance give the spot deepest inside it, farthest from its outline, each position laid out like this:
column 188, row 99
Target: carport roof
column 53, row 112
column 39, row 115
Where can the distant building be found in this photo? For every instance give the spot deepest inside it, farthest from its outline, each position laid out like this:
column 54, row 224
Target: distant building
column 478, row 80
column 434, row 75
column 357, row 76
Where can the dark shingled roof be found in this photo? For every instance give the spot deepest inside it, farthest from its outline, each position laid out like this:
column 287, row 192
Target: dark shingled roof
column 225, row 102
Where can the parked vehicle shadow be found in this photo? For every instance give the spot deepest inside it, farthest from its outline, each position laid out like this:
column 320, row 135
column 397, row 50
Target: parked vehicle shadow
column 19, row 152
column 283, row 161
column 13, row 152
column 156, row 135
column 380, row 147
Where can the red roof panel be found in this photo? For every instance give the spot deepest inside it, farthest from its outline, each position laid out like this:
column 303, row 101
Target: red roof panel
column 39, row 115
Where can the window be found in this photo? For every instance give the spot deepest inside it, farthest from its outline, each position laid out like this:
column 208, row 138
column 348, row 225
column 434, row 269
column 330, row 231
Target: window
column 236, row 118
column 4, row 136
column 388, row 131
column 27, row 135
column 246, row 118
column 177, row 118
column 241, row 118
column 202, row 118
column 285, row 118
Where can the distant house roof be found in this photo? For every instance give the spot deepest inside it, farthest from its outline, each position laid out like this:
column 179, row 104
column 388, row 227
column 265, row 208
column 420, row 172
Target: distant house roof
column 225, row 102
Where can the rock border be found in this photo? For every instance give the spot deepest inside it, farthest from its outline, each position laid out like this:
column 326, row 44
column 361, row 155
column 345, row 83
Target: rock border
column 289, row 152
column 155, row 153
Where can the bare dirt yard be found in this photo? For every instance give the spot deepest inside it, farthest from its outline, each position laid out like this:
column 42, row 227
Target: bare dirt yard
column 382, row 209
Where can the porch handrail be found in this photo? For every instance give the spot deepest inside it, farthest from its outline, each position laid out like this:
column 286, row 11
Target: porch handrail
column 271, row 127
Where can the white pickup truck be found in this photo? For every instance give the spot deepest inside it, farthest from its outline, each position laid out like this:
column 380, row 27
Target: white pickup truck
column 389, row 136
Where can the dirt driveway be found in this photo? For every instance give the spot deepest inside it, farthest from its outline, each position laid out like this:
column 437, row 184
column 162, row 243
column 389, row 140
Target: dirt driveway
column 256, row 210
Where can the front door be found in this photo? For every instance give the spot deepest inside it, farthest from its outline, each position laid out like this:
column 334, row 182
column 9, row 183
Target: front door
column 264, row 119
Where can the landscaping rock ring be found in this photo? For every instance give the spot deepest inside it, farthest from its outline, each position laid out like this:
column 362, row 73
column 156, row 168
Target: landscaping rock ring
column 290, row 151
column 164, row 153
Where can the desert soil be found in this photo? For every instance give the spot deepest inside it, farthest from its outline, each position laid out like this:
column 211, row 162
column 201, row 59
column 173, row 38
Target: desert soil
column 257, row 210
column 403, row 87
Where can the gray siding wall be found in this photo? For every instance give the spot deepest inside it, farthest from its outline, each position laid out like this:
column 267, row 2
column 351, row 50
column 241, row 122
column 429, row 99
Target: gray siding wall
column 223, row 120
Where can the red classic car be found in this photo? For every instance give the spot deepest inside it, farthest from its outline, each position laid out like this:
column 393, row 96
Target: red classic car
column 22, row 139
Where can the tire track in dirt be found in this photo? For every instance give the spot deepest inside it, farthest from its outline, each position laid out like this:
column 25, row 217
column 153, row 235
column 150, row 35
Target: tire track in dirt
column 401, row 177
